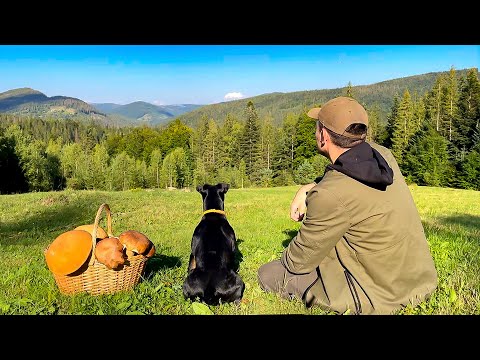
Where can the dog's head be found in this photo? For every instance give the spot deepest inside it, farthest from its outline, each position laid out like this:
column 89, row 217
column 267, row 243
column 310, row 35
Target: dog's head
column 213, row 195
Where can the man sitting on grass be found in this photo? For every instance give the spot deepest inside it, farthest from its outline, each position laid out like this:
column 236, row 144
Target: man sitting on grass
column 361, row 246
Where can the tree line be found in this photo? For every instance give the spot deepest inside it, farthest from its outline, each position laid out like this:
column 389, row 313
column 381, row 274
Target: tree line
column 435, row 137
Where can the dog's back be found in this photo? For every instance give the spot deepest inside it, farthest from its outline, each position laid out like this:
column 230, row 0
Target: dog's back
column 212, row 267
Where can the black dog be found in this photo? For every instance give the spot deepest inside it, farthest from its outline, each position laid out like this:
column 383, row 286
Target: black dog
column 212, row 275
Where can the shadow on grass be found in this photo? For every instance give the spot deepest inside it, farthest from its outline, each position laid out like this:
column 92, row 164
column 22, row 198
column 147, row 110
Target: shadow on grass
column 470, row 223
column 451, row 226
column 159, row 262
column 238, row 256
column 291, row 233
column 57, row 213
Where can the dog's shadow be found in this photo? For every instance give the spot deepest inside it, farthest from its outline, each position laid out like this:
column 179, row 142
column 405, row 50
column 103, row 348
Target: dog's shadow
column 238, row 256
column 159, row 261
column 291, row 233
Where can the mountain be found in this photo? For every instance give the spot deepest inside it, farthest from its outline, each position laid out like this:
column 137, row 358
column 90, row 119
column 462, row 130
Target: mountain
column 140, row 112
column 278, row 105
column 107, row 108
column 30, row 102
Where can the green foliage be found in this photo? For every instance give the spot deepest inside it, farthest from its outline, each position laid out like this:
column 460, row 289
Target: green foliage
column 468, row 111
column 250, row 148
column 427, row 160
column 81, row 154
column 469, row 173
column 176, row 169
column 305, row 142
column 403, row 127
column 305, row 173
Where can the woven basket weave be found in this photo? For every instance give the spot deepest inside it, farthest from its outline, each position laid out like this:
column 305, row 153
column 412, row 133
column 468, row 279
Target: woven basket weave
column 94, row 277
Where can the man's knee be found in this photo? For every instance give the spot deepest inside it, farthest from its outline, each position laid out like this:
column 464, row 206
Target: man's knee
column 270, row 274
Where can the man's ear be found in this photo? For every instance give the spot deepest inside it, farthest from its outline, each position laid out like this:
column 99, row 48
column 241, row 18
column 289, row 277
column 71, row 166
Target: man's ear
column 223, row 187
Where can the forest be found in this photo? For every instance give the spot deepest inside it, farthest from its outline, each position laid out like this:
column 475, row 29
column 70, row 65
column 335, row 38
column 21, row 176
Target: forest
column 435, row 137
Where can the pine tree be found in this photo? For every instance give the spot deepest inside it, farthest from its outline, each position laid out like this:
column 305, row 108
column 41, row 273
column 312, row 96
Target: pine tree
column 306, row 144
column 348, row 90
column 435, row 104
column 374, row 129
column 450, row 102
column 427, row 160
column 391, row 120
column 226, row 143
column 469, row 172
column 155, row 168
column 267, row 132
column 250, row 142
column 210, row 148
column 468, row 109
column 13, row 179
column 403, row 128
column 199, row 137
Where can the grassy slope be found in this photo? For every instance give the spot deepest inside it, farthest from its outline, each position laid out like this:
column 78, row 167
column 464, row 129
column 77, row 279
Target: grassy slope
column 30, row 222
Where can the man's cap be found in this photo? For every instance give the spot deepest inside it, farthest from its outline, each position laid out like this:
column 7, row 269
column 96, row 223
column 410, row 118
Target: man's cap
column 339, row 113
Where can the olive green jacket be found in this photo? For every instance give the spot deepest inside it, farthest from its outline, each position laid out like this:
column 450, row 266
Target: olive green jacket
column 367, row 245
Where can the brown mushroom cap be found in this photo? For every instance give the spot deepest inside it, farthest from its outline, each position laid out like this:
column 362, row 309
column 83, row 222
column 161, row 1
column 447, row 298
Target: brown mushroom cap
column 101, row 234
column 135, row 241
column 151, row 252
column 109, row 252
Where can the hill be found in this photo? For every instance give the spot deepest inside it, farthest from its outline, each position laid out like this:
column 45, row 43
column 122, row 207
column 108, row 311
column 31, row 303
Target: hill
column 140, row 112
column 278, row 105
column 30, row 102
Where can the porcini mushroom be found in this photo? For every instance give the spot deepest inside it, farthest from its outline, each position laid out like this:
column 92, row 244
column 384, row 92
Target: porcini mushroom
column 109, row 252
column 135, row 242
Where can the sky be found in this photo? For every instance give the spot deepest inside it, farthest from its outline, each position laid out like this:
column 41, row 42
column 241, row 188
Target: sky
column 207, row 74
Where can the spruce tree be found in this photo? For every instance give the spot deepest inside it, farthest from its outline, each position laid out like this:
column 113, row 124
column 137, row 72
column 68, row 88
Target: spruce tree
column 391, row 120
column 469, row 110
column 250, row 143
column 403, row 128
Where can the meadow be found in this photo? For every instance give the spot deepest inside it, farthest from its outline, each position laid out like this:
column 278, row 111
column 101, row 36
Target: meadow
column 260, row 217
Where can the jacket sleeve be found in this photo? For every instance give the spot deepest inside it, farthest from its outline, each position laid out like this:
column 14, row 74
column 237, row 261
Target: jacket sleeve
column 326, row 221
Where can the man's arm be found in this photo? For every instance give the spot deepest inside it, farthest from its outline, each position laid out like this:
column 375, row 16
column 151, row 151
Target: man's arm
column 325, row 223
column 298, row 207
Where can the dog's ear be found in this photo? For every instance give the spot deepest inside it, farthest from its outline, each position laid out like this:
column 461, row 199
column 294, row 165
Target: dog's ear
column 201, row 189
column 223, row 187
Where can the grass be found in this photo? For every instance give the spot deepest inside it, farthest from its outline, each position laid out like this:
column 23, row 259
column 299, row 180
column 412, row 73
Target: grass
column 260, row 217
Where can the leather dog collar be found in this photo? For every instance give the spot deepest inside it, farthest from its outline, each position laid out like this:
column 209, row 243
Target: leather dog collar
column 214, row 211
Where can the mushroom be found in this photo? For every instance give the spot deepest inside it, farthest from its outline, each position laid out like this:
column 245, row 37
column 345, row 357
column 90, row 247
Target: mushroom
column 109, row 252
column 135, row 242
column 151, row 252
column 101, row 234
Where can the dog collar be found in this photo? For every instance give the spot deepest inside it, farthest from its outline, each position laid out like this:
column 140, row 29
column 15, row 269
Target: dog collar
column 214, row 211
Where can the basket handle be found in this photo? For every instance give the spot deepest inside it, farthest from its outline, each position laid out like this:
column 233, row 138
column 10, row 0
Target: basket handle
column 95, row 228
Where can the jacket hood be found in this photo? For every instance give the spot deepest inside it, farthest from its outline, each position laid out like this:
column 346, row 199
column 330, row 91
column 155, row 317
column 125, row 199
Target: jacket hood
column 365, row 164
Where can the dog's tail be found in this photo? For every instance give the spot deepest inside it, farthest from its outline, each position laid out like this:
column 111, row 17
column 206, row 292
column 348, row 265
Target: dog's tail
column 213, row 286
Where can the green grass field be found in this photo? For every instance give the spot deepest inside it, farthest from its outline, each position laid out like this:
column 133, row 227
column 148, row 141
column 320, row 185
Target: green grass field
column 260, row 218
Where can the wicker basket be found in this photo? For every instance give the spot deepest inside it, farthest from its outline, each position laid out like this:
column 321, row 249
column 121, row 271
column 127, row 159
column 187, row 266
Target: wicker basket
column 94, row 277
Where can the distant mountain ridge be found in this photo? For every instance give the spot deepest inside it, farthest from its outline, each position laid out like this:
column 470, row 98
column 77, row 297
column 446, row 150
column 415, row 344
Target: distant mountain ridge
column 27, row 101
column 141, row 112
column 277, row 105
column 31, row 102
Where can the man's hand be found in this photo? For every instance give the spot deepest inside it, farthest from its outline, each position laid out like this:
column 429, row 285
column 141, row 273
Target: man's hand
column 298, row 207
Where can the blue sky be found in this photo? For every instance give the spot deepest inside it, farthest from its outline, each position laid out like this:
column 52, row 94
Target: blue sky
column 205, row 74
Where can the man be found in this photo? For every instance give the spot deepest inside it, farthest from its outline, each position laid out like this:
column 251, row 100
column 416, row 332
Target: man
column 361, row 247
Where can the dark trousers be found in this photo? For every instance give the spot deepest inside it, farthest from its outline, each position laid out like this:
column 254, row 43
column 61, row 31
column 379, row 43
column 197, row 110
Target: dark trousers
column 274, row 277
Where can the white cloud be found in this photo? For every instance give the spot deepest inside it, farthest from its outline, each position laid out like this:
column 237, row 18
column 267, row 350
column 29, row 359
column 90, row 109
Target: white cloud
column 158, row 102
column 233, row 96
